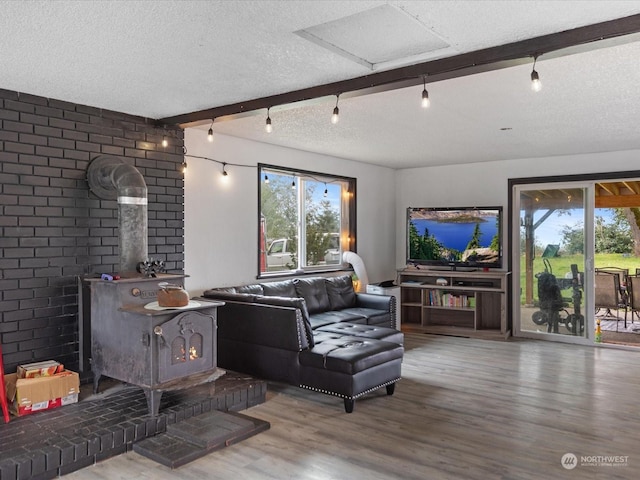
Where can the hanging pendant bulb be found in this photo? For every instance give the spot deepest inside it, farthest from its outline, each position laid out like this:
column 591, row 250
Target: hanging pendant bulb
column 268, row 127
column 210, row 133
column 336, row 111
column 536, row 84
column 425, row 95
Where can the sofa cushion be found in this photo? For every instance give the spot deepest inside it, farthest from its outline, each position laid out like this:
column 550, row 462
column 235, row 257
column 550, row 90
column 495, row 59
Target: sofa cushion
column 340, row 291
column 336, row 316
column 255, row 289
column 284, row 288
column 355, row 330
column 373, row 316
column 294, row 302
column 314, row 291
column 350, row 355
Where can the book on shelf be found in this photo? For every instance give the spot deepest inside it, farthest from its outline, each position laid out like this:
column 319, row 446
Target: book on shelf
column 439, row 298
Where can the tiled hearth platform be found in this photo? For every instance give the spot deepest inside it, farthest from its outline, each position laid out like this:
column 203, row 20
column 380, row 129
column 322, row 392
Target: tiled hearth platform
column 56, row 442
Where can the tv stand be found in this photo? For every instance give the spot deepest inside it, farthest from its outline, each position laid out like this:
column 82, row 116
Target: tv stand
column 468, row 303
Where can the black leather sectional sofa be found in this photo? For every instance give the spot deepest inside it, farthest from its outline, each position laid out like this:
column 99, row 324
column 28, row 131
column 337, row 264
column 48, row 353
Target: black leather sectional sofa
column 316, row 333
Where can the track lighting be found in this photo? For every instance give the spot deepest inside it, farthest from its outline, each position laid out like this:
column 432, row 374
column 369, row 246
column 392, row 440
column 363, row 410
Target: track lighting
column 210, row 133
column 536, row 84
column 425, row 95
column 336, row 111
column 267, row 127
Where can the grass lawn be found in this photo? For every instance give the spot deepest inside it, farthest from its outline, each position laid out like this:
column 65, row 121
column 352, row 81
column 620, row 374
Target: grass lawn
column 561, row 266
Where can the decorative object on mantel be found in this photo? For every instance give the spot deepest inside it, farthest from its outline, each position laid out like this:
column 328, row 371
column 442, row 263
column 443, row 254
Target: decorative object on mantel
column 442, row 282
column 151, row 267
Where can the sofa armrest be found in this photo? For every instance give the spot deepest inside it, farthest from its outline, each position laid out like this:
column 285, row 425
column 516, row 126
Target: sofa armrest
column 259, row 324
column 370, row 300
column 378, row 302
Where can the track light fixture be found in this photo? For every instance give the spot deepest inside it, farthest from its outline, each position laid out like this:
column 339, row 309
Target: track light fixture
column 210, row 133
column 425, row 95
column 336, row 111
column 268, row 127
column 536, row 84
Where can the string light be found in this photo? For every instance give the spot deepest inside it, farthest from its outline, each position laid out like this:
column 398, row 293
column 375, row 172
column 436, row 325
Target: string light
column 326, row 191
column 425, row 95
column 165, row 142
column 536, row 84
column 293, row 184
column 268, row 127
column 336, row 111
column 266, row 178
column 224, row 171
column 184, row 167
column 210, row 133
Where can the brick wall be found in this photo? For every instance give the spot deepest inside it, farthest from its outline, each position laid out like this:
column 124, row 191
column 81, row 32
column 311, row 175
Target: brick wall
column 53, row 229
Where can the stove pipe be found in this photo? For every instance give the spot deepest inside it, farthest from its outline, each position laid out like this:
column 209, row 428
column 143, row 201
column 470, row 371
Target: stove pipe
column 112, row 178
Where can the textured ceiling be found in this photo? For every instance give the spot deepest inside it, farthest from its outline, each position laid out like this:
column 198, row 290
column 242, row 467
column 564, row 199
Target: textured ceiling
column 164, row 58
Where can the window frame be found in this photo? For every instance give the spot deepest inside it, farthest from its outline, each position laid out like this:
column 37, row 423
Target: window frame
column 348, row 243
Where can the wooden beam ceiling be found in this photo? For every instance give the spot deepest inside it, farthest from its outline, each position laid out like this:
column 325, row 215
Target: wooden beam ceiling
column 557, row 44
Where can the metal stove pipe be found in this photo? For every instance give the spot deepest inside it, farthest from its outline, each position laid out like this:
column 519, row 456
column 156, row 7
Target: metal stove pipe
column 112, row 178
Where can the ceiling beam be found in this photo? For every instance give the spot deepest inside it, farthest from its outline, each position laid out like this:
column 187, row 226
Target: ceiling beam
column 494, row 58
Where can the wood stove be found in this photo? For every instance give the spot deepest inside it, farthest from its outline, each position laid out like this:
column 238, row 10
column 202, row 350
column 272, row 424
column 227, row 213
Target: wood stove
column 136, row 341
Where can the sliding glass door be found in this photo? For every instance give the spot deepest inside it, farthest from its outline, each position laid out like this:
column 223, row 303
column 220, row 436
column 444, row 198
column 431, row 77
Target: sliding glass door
column 552, row 261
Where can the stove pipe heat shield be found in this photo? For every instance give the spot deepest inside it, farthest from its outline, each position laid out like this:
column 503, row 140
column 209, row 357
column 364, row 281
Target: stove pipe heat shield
column 111, row 178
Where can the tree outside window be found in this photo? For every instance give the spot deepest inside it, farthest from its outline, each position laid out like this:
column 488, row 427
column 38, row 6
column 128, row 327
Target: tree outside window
column 304, row 220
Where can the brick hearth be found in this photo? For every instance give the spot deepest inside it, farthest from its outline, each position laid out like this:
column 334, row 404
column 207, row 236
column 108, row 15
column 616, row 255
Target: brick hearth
column 56, row 442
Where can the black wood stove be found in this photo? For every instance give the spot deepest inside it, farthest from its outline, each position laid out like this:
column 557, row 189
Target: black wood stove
column 136, row 341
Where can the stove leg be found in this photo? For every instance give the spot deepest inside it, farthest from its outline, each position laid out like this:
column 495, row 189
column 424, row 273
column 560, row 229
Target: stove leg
column 96, row 381
column 153, row 401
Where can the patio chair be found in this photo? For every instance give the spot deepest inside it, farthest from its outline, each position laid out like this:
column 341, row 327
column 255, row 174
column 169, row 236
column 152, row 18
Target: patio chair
column 607, row 295
column 633, row 290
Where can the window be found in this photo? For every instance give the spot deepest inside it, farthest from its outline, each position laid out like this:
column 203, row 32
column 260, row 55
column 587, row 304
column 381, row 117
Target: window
column 306, row 220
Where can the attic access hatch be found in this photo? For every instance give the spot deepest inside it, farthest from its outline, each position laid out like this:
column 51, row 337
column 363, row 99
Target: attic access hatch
column 378, row 38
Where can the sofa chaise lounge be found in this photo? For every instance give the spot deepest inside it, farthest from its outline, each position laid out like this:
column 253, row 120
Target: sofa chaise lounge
column 315, row 333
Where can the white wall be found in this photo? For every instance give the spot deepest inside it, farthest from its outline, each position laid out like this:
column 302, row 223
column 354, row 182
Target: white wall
column 221, row 218
column 478, row 184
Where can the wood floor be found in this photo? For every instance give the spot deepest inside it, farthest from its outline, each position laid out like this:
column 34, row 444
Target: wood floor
column 464, row 409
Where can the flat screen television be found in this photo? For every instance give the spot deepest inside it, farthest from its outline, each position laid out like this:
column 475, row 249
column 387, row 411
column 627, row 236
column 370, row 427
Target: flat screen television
column 455, row 237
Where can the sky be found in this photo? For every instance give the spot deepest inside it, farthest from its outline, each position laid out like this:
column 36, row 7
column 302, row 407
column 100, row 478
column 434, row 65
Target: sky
column 550, row 231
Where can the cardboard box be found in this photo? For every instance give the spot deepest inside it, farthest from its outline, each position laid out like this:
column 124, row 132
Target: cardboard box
column 30, row 395
column 39, row 369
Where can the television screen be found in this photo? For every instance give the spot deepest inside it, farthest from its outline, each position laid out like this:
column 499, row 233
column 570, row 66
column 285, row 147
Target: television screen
column 467, row 236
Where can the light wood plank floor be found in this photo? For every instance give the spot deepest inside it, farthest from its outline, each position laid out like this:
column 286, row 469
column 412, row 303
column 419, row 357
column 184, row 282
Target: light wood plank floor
column 464, row 409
